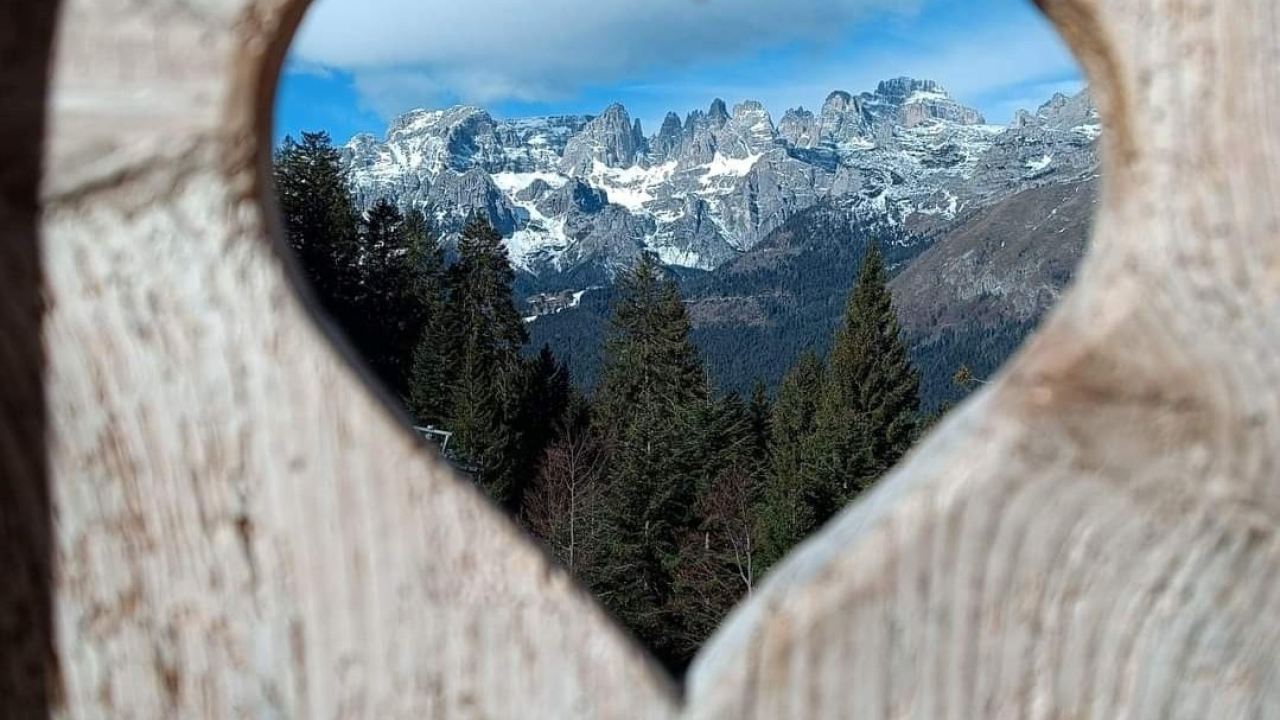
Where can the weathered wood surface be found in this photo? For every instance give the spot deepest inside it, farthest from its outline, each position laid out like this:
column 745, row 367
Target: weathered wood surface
column 244, row 530
column 1094, row 535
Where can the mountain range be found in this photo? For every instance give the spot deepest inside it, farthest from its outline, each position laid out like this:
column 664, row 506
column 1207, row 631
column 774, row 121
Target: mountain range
column 765, row 222
column 575, row 191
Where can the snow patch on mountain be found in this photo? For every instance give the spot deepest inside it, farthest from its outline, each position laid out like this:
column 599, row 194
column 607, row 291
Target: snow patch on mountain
column 633, row 187
column 539, row 236
column 513, row 182
column 724, row 171
column 569, row 191
column 1038, row 165
column 1091, row 131
column 668, row 255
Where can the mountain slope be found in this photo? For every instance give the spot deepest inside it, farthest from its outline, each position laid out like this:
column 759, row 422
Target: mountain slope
column 754, row 315
column 968, row 296
column 767, row 224
column 1008, row 262
column 976, row 294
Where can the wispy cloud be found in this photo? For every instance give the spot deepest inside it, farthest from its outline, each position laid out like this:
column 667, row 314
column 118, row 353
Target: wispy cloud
column 676, row 54
column 980, row 65
column 489, row 50
column 1000, row 65
column 295, row 65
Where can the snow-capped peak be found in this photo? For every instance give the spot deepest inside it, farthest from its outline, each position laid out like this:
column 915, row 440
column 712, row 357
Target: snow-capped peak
column 572, row 190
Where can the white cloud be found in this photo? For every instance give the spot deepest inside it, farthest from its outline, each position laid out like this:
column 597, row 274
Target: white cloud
column 489, row 50
column 410, row 53
column 1000, row 68
column 391, row 91
column 1031, row 97
column 979, row 68
column 297, row 66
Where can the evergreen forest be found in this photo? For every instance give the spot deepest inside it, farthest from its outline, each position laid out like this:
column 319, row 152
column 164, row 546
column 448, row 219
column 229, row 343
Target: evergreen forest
column 668, row 495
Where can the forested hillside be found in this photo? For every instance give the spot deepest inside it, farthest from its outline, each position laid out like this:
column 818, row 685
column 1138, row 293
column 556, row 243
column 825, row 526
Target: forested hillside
column 670, row 428
column 665, row 494
column 969, row 294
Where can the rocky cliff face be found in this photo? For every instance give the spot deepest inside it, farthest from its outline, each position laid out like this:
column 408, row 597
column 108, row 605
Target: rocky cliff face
column 612, row 140
column 571, row 192
column 911, row 103
column 1008, row 262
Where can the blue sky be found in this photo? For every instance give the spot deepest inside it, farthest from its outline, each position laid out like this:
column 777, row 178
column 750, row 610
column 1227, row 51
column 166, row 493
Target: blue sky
column 356, row 64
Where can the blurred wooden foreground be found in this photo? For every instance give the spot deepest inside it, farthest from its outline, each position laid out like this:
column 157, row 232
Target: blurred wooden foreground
column 207, row 513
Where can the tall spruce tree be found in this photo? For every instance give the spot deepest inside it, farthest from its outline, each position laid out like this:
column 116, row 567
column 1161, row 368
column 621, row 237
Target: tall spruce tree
column 358, row 265
column 320, row 222
column 386, row 295
column 429, row 398
column 867, row 416
column 761, row 411
column 488, row 380
column 786, row 509
column 652, row 380
column 713, row 434
column 545, row 402
column 717, row 452
column 648, row 510
column 718, row 563
column 649, row 357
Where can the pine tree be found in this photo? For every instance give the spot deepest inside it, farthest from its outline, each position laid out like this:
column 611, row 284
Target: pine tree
column 545, row 400
column 549, row 394
column 487, row 337
column 717, row 450
column 867, row 416
column 358, row 266
column 718, row 563
column 386, row 296
column 785, row 512
column 649, row 358
column 889, row 390
column 794, row 413
column 320, row 222
column 652, row 383
column 761, row 411
column 428, row 398
column 648, row 510
column 713, row 434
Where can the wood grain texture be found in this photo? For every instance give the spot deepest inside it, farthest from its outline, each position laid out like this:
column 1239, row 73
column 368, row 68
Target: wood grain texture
column 244, row 530
column 1095, row 534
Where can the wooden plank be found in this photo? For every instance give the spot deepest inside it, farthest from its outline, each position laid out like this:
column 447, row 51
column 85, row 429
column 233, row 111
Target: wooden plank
column 1095, row 534
column 244, row 529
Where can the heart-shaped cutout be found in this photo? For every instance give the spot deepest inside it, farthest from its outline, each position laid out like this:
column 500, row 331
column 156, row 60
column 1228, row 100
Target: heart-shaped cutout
column 654, row 481
column 244, row 529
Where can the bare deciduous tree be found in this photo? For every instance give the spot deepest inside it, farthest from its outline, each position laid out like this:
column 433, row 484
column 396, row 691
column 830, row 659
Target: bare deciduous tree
column 718, row 564
column 732, row 525
column 563, row 508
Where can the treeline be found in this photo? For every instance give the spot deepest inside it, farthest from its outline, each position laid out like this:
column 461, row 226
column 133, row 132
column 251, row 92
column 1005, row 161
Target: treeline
column 443, row 337
column 669, row 500
column 795, row 284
